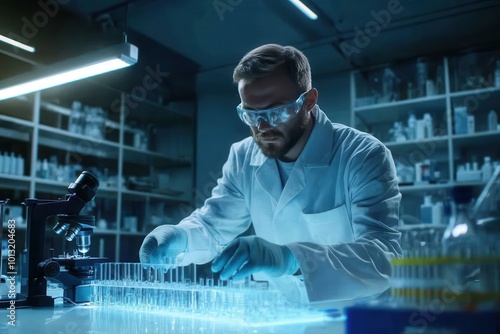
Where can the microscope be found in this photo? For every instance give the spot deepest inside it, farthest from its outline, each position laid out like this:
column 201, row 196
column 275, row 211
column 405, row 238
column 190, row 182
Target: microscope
column 77, row 270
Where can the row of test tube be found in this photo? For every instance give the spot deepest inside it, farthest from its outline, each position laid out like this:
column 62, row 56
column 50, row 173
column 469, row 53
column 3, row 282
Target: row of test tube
column 431, row 274
column 170, row 289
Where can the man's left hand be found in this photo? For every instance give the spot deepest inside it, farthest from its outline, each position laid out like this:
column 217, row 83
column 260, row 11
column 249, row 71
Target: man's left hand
column 247, row 255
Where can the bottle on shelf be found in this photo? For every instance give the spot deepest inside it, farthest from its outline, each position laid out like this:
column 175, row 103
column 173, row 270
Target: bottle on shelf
column 45, row 169
column 75, row 118
column 6, row 163
column 420, row 129
column 428, row 126
column 460, row 119
column 438, row 213
column 432, row 212
column 397, row 134
column 440, row 80
column 471, row 124
column 412, row 126
column 492, row 121
column 487, row 169
column 388, row 85
column 430, row 88
column 13, row 163
column 421, row 76
column 426, row 210
column 409, row 94
column 20, row 165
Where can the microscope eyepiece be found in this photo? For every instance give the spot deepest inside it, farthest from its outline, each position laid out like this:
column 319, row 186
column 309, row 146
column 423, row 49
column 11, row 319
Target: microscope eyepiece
column 85, row 186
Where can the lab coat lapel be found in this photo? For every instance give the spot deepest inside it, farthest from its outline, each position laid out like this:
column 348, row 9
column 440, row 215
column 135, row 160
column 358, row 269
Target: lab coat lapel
column 294, row 185
column 267, row 174
column 316, row 154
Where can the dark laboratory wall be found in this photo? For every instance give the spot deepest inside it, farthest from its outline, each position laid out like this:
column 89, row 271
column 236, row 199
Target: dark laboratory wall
column 334, row 96
column 218, row 126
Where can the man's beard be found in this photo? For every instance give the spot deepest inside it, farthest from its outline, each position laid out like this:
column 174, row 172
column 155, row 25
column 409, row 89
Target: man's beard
column 271, row 150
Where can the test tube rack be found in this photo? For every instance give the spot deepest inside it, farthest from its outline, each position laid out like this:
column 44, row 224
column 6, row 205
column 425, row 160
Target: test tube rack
column 166, row 289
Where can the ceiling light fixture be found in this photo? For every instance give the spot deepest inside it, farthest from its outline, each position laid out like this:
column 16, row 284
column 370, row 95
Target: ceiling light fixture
column 81, row 67
column 17, row 44
column 304, row 9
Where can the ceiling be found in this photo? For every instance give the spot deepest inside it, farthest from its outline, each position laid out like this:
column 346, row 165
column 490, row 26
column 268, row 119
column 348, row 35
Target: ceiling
column 185, row 37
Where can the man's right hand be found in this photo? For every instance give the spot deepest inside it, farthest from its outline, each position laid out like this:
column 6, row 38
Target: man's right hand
column 163, row 245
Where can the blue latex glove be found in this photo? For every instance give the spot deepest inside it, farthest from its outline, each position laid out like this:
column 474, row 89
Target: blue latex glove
column 247, row 255
column 162, row 245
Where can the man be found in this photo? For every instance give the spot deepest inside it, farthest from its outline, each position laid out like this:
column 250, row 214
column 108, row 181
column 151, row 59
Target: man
column 322, row 198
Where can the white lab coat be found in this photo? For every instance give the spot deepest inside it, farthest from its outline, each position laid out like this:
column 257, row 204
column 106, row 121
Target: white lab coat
column 337, row 212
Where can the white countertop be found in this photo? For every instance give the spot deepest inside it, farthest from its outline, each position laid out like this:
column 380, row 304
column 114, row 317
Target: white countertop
column 96, row 320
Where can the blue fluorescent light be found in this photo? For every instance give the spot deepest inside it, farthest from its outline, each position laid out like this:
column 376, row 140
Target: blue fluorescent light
column 98, row 62
column 304, row 9
column 17, row 44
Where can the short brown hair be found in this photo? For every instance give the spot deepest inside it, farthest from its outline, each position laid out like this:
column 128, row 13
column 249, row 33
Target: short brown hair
column 270, row 58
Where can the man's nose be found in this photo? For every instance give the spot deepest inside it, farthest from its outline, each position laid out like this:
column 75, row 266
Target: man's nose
column 263, row 126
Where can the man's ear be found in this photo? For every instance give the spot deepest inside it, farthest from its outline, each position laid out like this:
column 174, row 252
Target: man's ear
column 311, row 99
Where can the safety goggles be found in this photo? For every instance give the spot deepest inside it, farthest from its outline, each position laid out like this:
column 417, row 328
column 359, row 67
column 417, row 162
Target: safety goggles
column 274, row 116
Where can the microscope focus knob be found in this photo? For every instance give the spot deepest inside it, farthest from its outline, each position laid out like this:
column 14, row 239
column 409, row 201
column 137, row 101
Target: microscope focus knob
column 49, row 268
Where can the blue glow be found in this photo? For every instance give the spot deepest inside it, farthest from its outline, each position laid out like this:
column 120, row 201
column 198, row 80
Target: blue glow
column 130, row 287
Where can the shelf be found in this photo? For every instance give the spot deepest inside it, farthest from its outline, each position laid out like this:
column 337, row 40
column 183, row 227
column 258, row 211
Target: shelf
column 15, row 182
column 92, row 93
column 476, row 139
column 67, row 141
column 152, row 112
column 15, row 122
column 447, row 150
column 36, row 127
column 14, row 134
column 132, row 154
column 477, row 100
column 392, row 111
column 436, row 142
column 66, row 112
column 174, row 196
column 16, row 129
column 395, row 104
column 480, row 93
column 20, row 107
column 438, row 186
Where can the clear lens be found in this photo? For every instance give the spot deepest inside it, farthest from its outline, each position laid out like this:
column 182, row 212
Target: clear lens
column 273, row 117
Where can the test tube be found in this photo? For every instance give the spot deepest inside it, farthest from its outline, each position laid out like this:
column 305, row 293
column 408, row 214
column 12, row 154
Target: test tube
column 131, row 286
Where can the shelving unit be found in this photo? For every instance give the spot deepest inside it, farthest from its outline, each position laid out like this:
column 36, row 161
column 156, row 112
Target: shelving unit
column 140, row 185
column 386, row 94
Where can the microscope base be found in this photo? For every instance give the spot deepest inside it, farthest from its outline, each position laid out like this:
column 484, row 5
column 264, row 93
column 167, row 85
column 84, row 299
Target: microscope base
column 41, row 301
